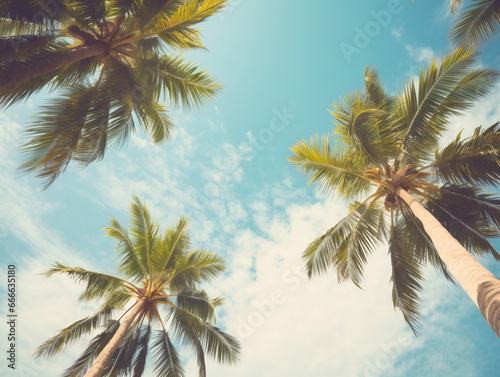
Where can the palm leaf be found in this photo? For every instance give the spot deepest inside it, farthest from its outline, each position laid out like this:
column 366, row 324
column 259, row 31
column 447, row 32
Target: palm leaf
column 98, row 284
column 73, row 332
column 130, row 261
column 173, row 247
column 347, row 245
column 470, row 216
column 471, row 161
column 95, row 347
column 166, row 360
column 406, row 277
column 445, row 89
column 330, row 169
column 477, row 23
column 223, row 347
column 194, row 268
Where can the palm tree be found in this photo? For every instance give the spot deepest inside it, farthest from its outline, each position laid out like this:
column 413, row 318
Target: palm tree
column 478, row 22
column 160, row 277
column 429, row 204
column 114, row 59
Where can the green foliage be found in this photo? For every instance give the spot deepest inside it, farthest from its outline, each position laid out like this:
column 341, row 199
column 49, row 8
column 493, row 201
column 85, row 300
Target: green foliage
column 161, row 270
column 390, row 143
column 477, row 23
column 107, row 93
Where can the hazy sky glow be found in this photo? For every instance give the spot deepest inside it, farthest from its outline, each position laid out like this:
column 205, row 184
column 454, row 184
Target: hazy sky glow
column 281, row 62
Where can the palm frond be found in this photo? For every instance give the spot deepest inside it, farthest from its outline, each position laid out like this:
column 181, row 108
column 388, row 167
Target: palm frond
column 476, row 24
column 184, row 82
column 471, row 161
column 407, row 276
column 445, row 89
column 470, row 216
column 73, row 332
column 176, row 29
column 88, row 12
column 166, row 359
column 144, row 232
column 95, row 347
column 56, row 136
column 130, row 262
column 140, row 358
column 173, row 246
column 197, row 303
column 347, row 245
column 194, row 268
column 330, row 168
column 98, row 284
column 221, row 346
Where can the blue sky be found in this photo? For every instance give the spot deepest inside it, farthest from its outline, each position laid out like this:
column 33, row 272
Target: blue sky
column 282, row 63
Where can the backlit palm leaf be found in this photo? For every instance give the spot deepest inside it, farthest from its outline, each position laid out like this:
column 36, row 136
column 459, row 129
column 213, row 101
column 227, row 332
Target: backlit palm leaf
column 471, row 160
column 330, row 169
column 477, row 23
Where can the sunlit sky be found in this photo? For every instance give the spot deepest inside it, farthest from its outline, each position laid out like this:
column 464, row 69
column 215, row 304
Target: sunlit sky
column 282, row 63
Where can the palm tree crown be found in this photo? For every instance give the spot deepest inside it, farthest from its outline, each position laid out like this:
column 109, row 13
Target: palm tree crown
column 389, row 144
column 161, row 278
column 114, row 59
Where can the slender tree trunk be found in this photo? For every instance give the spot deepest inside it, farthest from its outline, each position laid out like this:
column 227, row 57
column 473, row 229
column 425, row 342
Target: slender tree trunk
column 106, row 354
column 480, row 284
column 18, row 73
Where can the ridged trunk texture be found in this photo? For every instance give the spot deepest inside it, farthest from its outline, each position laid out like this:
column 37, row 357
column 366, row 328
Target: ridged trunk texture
column 18, row 73
column 480, row 284
column 106, row 354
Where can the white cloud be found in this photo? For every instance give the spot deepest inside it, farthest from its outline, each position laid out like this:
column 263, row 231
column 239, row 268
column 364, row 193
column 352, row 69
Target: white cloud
column 420, row 54
column 397, row 32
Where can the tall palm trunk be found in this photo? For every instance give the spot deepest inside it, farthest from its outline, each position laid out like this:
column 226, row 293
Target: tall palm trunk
column 480, row 284
column 106, row 354
column 18, row 73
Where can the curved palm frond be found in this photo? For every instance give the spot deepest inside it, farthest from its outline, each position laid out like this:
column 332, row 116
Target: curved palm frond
column 95, row 347
column 99, row 284
column 184, row 82
column 476, row 24
column 130, row 262
column 73, row 332
column 221, row 346
column 445, row 89
column 144, row 232
column 471, row 161
column 407, row 276
column 166, row 359
column 197, row 303
column 347, row 245
column 140, row 357
column 195, row 267
column 173, row 246
column 330, row 169
column 87, row 12
column 175, row 29
column 470, row 216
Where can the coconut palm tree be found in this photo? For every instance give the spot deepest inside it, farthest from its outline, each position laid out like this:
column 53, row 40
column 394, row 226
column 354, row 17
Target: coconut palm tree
column 478, row 22
column 115, row 61
column 429, row 204
column 159, row 282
